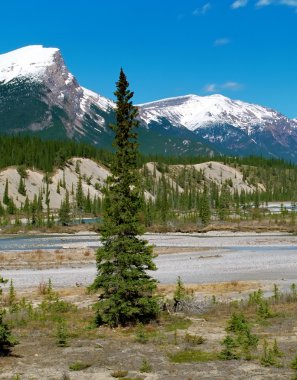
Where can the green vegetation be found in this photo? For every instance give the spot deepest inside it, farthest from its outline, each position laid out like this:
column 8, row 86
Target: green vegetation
column 124, row 259
column 45, row 155
column 246, row 338
column 192, row 356
column 191, row 200
column 62, row 333
column 7, row 340
column 145, row 367
column 178, row 323
column 79, row 366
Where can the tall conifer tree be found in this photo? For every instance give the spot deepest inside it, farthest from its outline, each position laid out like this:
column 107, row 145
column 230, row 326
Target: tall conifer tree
column 122, row 262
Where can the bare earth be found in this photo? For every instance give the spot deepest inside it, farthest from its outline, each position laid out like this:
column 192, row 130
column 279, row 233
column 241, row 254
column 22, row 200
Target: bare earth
column 197, row 258
column 226, row 265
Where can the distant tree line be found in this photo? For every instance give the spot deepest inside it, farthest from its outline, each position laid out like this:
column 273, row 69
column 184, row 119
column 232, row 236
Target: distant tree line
column 192, row 196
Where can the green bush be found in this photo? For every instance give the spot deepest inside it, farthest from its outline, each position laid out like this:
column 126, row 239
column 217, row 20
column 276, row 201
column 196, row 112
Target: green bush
column 62, row 334
column 79, row 366
column 7, row 340
column 229, row 350
column 145, row 367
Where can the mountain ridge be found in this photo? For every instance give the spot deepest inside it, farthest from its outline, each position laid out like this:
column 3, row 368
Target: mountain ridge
column 38, row 94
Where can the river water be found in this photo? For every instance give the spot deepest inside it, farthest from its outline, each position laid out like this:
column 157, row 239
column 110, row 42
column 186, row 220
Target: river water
column 211, row 257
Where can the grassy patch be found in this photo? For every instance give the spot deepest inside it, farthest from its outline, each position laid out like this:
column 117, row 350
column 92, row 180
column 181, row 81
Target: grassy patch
column 177, row 323
column 193, row 356
column 79, row 366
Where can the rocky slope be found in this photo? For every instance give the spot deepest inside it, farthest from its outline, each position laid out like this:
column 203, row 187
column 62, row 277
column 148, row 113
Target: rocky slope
column 39, row 95
column 94, row 175
column 232, row 126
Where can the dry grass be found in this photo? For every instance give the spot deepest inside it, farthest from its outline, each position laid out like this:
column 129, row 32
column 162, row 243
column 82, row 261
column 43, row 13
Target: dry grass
column 113, row 349
column 46, row 258
column 212, row 289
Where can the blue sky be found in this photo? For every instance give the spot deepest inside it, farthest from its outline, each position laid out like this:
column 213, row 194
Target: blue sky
column 244, row 49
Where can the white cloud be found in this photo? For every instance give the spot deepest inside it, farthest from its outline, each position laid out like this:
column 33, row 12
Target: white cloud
column 214, row 87
column 234, row 86
column 202, row 10
column 288, row 3
column 239, row 4
column 264, row 3
column 221, row 41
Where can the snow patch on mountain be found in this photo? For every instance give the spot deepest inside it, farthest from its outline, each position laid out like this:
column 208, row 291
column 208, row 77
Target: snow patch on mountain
column 90, row 97
column 193, row 112
column 30, row 61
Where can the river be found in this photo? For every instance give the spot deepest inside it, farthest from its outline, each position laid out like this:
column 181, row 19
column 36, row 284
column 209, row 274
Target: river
column 210, row 257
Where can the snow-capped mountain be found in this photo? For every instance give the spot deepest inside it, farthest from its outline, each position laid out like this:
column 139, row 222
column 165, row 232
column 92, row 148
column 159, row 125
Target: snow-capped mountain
column 39, row 95
column 233, row 126
column 193, row 112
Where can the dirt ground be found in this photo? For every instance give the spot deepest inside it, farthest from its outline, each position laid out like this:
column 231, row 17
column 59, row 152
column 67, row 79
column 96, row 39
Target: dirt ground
column 107, row 351
column 139, row 352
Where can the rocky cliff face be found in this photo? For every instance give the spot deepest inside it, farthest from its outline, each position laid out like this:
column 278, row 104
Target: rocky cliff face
column 35, row 83
column 230, row 126
column 38, row 94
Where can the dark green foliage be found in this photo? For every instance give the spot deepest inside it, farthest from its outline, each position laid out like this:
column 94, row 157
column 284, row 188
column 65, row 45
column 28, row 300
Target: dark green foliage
column 7, row 340
column 22, row 187
column 123, row 261
column 237, row 323
column 204, row 209
column 179, row 294
column 33, row 152
column 262, row 305
column 229, row 350
column 64, row 212
column 79, row 195
column 240, row 340
column 2, row 281
column 6, row 198
column 269, row 356
column 180, row 291
column 62, row 334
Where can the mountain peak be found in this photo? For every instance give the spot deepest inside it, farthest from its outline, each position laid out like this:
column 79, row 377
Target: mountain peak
column 193, row 112
column 29, row 61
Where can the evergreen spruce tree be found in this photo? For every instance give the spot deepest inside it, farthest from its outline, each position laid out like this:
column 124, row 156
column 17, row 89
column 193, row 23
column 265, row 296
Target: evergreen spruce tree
column 122, row 262
column 204, row 211
column 64, row 212
column 7, row 340
column 2, row 211
column 47, row 202
column 6, row 195
column 88, row 203
column 80, row 199
column 11, row 208
column 22, row 187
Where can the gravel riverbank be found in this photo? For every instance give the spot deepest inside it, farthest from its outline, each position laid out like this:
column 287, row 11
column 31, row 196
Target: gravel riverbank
column 197, row 258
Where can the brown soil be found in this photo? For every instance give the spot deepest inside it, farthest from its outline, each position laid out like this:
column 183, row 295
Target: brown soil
column 108, row 351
